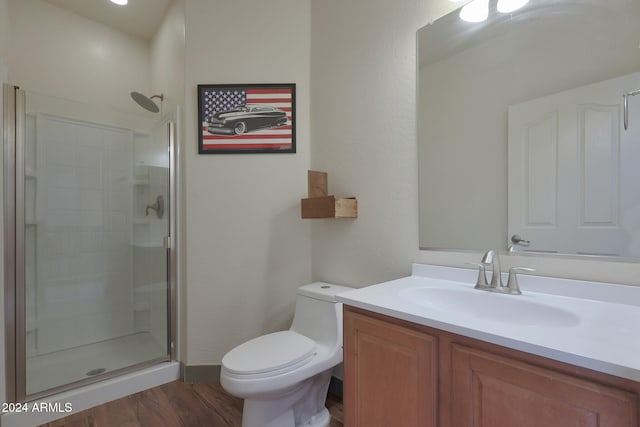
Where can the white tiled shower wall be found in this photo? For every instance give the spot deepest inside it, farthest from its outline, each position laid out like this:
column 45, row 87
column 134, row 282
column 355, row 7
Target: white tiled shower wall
column 79, row 195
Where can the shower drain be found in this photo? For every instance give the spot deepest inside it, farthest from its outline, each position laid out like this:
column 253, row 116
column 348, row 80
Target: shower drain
column 95, row 372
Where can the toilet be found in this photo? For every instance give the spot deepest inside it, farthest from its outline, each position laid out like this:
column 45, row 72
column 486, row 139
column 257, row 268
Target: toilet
column 284, row 376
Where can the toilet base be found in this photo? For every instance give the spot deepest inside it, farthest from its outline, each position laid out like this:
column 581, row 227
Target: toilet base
column 302, row 406
column 321, row 419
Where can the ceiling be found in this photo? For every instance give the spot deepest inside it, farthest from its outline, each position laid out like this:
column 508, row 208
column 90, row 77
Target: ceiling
column 140, row 18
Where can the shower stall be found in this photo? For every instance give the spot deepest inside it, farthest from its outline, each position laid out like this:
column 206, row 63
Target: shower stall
column 90, row 265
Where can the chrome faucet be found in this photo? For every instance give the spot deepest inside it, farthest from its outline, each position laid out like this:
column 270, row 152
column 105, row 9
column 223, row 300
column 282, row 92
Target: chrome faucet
column 481, row 282
column 512, row 284
column 491, row 258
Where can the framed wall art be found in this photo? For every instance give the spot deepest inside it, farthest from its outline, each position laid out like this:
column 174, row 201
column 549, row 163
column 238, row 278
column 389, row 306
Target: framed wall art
column 246, row 118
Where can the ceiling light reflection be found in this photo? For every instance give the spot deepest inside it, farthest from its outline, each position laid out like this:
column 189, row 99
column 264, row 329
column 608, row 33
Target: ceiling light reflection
column 507, row 6
column 476, row 11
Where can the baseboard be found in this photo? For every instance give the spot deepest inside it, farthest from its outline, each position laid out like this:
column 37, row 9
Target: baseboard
column 192, row 374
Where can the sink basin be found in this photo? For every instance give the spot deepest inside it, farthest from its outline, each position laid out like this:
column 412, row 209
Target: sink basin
column 490, row 306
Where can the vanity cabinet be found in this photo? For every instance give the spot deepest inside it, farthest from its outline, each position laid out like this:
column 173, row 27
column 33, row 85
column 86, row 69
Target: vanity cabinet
column 390, row 373
column 398, row 373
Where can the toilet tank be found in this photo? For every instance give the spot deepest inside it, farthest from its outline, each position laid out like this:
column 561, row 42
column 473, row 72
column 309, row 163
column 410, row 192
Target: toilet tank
column 318, row 315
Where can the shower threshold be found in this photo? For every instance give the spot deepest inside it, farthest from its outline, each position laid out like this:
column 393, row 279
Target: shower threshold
column 87, row 396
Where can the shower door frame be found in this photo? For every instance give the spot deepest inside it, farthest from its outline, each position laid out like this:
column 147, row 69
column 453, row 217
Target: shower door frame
column 14, row 112
column 13, row 126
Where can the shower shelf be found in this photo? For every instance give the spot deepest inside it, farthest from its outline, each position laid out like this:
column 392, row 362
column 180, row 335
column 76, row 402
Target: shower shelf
column 142, row 232
column 146, row 245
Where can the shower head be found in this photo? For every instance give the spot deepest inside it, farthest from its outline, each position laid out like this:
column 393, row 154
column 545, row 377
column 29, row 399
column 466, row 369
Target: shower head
column 146, row 102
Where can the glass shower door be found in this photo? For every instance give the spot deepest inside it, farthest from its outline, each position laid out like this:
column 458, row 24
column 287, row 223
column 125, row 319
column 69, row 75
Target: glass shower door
column 95, row 208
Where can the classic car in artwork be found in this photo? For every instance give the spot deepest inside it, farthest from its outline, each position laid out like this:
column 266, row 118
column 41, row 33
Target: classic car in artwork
column 245, row 118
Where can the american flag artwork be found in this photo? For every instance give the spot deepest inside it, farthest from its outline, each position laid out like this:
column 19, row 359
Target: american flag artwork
column 248, row 118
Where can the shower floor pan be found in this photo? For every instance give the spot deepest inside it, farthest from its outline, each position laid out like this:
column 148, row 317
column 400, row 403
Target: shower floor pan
column 55, row 369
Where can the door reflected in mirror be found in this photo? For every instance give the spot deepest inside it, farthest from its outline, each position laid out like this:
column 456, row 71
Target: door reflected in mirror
column 521, row 129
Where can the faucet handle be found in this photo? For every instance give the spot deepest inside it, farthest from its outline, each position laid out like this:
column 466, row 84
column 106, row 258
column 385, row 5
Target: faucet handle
column 512, row 284
column 481, row 281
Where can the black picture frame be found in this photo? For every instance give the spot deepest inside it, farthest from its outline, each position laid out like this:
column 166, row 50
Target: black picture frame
column 246, row 118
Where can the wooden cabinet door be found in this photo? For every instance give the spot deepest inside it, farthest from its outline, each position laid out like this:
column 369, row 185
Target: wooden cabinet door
column 493, row 391
column 390, row 374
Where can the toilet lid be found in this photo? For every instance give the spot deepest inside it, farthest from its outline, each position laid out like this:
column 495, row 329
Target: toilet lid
column 269, row 353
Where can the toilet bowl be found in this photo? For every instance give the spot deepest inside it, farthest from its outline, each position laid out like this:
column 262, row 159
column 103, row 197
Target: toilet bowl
column 284, row 376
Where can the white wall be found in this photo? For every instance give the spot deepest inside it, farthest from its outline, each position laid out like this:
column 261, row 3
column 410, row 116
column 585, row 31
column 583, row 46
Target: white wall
column 61, row 54
column 247, row 248
column 364, row 134
column 4, row 29
column 167, row 57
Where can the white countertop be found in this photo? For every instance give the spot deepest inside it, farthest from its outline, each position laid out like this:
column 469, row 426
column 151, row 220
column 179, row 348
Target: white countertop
column 604, row 334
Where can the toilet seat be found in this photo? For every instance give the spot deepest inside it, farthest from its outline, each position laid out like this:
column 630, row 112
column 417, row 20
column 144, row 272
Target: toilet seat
column 276, row 353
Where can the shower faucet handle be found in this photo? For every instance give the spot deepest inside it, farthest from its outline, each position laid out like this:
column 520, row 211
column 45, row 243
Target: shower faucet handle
column 158, row 206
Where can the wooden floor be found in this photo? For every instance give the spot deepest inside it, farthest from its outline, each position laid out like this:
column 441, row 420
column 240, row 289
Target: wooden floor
column 175, row 404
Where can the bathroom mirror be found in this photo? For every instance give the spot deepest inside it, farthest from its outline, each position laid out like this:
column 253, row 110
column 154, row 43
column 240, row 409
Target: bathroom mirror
column 521, row 129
